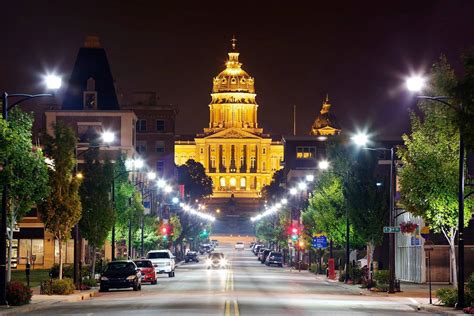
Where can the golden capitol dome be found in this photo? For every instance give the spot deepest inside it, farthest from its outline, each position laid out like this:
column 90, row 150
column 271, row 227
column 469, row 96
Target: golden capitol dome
column 233, row 78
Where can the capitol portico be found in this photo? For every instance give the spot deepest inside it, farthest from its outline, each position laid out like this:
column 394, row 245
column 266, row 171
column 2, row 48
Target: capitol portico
column 234, row 150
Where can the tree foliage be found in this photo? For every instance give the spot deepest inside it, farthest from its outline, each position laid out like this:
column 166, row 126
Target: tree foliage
column 62, row 209
column 98, row 215
column 197, row 184
column 429, row 177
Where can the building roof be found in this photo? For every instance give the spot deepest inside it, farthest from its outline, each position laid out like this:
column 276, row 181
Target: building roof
column 326, row 122
column 91, row 62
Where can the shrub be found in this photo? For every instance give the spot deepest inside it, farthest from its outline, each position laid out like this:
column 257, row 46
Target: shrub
column 382, row 277
column 356, row 275
column 68, row 271
column 89, row 282
column 313, row 267
column 18, row 293
column 63, row 287
column 470, row 284
column 447, row 296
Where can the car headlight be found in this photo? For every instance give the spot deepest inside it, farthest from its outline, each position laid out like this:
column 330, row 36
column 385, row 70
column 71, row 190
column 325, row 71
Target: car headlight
column 208, row 261
column 132, row 277
column 104, row 278
column 223, row 262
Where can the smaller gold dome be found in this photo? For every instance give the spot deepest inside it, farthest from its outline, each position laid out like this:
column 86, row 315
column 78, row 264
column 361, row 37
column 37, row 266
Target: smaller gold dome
column 233, row 78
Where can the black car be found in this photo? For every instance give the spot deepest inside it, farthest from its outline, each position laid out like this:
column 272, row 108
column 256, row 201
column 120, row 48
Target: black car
column 263, row 256
column 274, row 258
column 191, row 256
column 205, row 248
column 121, row 274
column 256, row 249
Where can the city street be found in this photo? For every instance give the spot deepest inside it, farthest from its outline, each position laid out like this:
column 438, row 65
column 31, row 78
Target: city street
column 246, row 288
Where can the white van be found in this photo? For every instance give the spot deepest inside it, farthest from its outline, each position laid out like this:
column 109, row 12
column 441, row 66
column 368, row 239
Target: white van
column 163, row 261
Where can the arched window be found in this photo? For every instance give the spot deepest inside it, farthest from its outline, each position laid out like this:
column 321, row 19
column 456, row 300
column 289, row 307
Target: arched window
column 213, row 162
column 233, row 182
column 252, row 162
column 222, row 182
column 243, row 182
column 233, row 80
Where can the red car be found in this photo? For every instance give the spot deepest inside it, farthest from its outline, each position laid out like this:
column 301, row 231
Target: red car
column 148, row 271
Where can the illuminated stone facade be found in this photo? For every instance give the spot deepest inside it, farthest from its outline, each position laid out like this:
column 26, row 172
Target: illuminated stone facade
column 239, row 157
column 325, row 123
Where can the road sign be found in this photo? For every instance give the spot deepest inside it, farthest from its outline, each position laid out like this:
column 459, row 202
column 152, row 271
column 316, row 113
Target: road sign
column 415, row 241
column 391, row 229
column 320, row 242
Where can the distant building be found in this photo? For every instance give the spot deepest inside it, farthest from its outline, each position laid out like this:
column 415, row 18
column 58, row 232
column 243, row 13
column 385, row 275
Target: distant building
column 325, row 123
column 235, row 152
column 155, row 127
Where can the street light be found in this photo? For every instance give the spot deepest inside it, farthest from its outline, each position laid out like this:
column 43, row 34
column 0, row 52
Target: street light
column 3, row 227
column 443, row 100
column 324, row 165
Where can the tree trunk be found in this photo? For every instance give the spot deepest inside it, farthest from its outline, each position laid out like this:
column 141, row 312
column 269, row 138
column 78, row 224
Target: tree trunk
column 60, row 246
column 452, row 254
column 370, row 254
column 93, row 262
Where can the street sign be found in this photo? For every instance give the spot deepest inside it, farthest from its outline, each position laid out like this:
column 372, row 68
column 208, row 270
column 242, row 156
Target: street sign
column 320, row 242
column 391, row 229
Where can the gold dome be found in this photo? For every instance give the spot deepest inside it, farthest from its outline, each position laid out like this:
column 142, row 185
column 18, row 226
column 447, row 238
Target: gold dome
column 233, row 78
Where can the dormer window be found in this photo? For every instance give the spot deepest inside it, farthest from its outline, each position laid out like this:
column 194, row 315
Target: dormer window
column 233, row 80
column 90, row 95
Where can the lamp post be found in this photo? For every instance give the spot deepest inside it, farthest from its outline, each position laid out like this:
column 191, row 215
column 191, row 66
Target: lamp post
column 325, row 165
column 416, row 84
column 52, row 82
column 361, row 140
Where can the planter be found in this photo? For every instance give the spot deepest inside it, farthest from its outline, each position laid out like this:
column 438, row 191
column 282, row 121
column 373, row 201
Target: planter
column 407, row 234
column 408, row 228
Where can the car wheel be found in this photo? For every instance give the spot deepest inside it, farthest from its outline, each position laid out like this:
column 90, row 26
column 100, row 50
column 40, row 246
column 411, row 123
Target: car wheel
column 104, row 289
column 154, row 282
column 280, row 265
column 140, row 287
column 135, row 287
column 186, row 261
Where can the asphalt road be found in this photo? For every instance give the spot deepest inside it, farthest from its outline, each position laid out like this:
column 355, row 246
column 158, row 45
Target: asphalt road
column 245, row 288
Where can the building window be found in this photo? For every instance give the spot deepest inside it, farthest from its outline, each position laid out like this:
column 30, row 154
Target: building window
column 223, row 161
column 222, row 182
column 141, row 125
column 160, row 146
column 201, row 150
column 90, row 100
column 243, row 182
column 305, row 152
column 31, row 247
column 264, row 166
column 160, row 164
column 141, row 146
column 264, row 150
column 160, row 125
column 233, row 182
column 252, row 162
column 213, row 162
column 67, row 251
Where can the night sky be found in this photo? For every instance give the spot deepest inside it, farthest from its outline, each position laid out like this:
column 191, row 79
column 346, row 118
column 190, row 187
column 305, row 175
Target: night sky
column 297, row 51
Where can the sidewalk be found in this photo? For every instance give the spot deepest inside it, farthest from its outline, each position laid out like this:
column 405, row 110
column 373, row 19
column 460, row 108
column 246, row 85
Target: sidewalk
column 42, row 301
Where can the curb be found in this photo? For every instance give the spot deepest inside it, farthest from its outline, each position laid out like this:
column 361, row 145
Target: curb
column 441, row 310
column 46, row 301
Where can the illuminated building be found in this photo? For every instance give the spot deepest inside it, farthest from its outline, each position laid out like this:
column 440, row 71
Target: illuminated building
column 235, row 152
column 326, row 122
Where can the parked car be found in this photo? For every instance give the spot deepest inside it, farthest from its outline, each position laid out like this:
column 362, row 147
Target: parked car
column 274, row 258
column 163, row 261
column 216, row 260
column 260, row 253
column 215, row 242
column 191, row 256
column 264, row 255
column 121, row 274
column 252, row 244
column 256, row 249
column 147, row 270
column 239, row 245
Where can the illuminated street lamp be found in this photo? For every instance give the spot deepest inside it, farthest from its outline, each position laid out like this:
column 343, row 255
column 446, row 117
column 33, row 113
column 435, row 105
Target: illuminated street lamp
column 309, row 178
column 302, row 186
column 151, row 175
column 360, row 139
column 415, row 83
column 20, row 98
column 293, row 191
column 161, row 183
column 323, row 165
column 108, row 137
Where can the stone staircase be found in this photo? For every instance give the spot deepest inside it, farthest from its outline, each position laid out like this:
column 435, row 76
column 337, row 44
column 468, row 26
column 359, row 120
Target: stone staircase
column 233, row 225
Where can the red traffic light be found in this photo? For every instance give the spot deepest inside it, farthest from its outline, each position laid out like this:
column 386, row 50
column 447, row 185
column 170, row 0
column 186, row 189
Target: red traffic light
column 294, row 230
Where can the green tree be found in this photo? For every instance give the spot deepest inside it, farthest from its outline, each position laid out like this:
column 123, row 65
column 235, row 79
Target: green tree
column 367, row 203
column 430, row 157
column 62, row 209
column 276, row 188
column 98, row 215
column 197, row 184
column 26, row 172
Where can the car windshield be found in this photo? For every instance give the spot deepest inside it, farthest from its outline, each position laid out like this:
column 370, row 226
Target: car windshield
column 144, row 264
column 119, row 266
column 158, row 255
column 276, row 254
column 216, row 256
column 240, row 243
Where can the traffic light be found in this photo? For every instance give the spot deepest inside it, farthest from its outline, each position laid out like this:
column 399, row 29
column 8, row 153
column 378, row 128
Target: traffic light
column 164, row 231
column 294, row 233
column 204, row 233
column 301, row 244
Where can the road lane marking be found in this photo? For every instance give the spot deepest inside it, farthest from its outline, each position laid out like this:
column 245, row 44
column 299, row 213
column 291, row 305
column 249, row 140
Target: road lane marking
column 227, row 308
column 236, row 308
